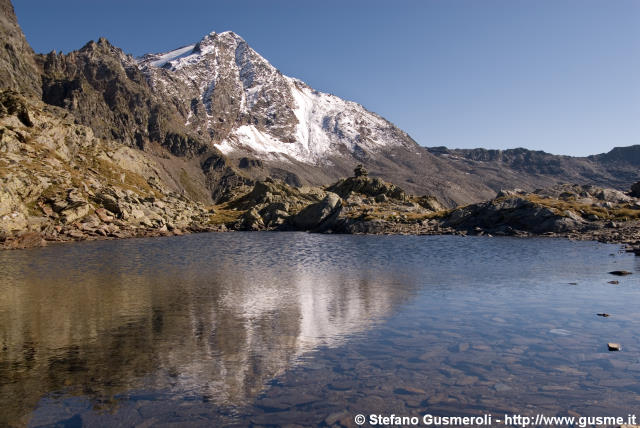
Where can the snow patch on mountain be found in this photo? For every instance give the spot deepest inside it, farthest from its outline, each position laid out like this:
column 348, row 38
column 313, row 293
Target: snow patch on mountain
column 249, row 138
column 160, row 60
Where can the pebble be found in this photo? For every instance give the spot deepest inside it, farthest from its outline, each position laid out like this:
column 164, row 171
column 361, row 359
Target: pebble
column 407, row 390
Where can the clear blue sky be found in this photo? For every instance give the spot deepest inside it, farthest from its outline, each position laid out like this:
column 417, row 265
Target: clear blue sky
column 556, row 75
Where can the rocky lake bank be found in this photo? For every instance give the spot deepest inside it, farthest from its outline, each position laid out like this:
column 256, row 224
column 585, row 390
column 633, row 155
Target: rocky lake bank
column 355, row 205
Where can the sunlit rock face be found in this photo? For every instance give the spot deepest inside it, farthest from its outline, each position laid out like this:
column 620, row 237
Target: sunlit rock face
column 108, row 322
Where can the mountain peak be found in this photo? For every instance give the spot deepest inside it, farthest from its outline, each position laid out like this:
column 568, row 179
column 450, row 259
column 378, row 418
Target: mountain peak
column 243, row 104
column 208, row 42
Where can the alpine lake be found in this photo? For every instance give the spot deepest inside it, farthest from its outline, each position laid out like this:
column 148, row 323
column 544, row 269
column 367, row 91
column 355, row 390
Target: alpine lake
column 278, row 329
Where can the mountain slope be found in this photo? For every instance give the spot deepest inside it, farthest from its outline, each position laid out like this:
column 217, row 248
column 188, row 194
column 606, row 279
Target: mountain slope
column 269, row 124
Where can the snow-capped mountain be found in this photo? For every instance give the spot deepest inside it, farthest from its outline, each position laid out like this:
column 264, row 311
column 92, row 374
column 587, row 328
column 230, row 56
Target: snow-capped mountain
column 245, row 105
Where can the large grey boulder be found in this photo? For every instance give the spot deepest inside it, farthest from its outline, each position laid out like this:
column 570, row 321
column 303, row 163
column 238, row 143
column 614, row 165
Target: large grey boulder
column 73, row 213
column 319, row 216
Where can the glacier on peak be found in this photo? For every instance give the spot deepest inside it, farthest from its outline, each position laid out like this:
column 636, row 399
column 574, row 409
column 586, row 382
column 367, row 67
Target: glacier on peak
column 244, row 104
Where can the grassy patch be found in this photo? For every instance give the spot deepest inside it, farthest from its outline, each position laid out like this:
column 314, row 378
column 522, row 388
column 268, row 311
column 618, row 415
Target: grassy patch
column 114, row 175
column 223, row 215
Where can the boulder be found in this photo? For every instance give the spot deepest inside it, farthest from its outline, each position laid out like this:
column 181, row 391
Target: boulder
column 319, row 216
column 104, row 215
column 75, row 198
column 26, row 240
column 251, row 220
column 430, row 203
column 505, row 193
column 275, row 214
column 69, row 215
column 110, row 199
column 612, row 195
column 381, row 198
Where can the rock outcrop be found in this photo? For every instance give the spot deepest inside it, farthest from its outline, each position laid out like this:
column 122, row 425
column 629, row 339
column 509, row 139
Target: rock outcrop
column 59, row 182
column 559, row 209
column 362, row 184
column 362, row 207
column 18, row 69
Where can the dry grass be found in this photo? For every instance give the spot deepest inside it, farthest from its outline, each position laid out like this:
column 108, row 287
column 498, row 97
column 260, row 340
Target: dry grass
column 391, row 212
column 559, row 206
column 189, row 186
column 223, row 215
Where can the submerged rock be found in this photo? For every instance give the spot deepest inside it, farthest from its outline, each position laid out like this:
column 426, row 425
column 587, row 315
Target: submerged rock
column 620, row 272
column 613, row 346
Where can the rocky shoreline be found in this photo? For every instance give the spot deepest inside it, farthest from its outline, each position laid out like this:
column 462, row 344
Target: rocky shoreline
column 356, row 205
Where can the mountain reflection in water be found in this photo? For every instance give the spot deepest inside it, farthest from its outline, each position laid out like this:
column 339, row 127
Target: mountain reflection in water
column 212, row 316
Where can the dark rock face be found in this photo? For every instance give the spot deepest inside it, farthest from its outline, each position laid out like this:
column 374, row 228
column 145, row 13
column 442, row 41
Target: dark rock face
column 18, row 70
column 12, row 104
column 221, row 177
column 106, row 91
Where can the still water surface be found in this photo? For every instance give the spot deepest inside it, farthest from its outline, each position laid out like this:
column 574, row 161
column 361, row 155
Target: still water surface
column 281, row 328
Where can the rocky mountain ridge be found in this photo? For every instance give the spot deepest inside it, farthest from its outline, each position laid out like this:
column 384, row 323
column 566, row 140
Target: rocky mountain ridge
column 617, row 168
